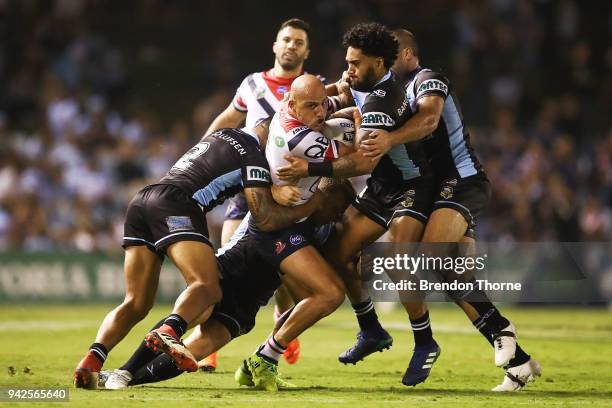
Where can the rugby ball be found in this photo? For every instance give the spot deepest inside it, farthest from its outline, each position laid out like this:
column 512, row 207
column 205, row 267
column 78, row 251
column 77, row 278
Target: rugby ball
column 340, row 129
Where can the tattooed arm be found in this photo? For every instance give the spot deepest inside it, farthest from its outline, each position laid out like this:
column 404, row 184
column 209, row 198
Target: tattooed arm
column 269, row 216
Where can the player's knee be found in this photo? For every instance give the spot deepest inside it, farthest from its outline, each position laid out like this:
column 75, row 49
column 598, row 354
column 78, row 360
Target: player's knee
column 211, row 291
column 137, row 307
column 332, row 298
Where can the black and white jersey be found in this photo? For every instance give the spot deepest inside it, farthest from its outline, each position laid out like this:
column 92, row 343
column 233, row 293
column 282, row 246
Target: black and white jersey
column 218, row 167
column 386, row 107
column 448, row 148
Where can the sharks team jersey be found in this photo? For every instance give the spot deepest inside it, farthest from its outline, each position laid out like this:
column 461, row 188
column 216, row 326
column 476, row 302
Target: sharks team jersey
column 386, row 107
column 218, row 167
column 289, row 136
column 448, row 148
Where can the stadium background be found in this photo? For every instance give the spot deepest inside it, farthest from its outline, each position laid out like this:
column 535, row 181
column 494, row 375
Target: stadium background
column 98, row 98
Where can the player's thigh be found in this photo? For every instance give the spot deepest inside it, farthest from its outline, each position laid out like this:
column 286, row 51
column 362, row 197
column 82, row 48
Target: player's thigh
column 355, row 231
column 228, row 229
column 308, row 268
column 295, row 289
column 141, row 269
column 445, row 225
column 196, row 261
column 406, row 229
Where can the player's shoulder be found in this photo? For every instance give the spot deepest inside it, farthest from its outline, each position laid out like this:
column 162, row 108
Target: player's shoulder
column 387, row 91
column 429, row 81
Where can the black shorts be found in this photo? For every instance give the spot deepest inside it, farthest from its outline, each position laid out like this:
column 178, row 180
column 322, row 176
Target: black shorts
column 247, row 281
column 382, row 203
column 237, row 207
column 469, row 196
column 160, row 215
column 275, row 246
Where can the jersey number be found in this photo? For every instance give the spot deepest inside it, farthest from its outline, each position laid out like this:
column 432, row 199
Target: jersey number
column 196, row 151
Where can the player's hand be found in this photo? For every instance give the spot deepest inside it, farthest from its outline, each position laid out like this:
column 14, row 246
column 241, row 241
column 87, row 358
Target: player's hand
column 343, row 87
column 295, row 170
column 378, row 143
column 288, row 196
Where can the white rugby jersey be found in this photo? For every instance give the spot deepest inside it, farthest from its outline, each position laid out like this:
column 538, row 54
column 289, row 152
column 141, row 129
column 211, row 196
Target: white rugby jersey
column 260, row 95
column 289, row 136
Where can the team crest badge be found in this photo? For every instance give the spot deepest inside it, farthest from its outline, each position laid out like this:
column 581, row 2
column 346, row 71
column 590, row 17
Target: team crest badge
column 281, row 89
column 447, row 192
column 449, row 189
column 408, row 199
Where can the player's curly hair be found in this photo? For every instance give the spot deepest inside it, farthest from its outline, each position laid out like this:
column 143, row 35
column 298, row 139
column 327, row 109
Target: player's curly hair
column 373, row 39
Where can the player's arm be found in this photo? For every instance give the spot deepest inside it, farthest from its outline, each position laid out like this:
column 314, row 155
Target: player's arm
column 422, row 124
column 229, row 118
column 270, row 216
column 350, row 163
column 430, row 90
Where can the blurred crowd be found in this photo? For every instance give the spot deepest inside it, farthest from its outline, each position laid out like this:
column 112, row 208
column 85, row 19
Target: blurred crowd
column 92, row 108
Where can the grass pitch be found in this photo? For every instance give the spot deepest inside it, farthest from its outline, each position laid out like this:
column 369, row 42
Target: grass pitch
column 573, row 345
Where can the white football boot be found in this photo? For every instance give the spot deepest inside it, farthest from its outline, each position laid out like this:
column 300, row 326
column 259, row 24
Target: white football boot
column 118, row 380
column 517, row 377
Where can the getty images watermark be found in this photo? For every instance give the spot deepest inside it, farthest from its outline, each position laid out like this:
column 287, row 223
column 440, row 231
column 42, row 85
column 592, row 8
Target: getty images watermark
column 524, row 272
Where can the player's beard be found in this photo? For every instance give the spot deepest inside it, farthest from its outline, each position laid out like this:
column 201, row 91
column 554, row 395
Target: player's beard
column 367, row 83
column 290, row 66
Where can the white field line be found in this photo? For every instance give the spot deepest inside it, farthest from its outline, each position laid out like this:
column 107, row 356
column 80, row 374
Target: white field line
column 469, row 329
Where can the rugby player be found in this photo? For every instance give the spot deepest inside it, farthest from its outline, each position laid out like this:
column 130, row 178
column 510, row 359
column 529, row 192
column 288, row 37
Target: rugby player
column 296, row 128
column 259, row 96
column 247, row 282
column 398, row 194
column 462, row 194
column 168, row 219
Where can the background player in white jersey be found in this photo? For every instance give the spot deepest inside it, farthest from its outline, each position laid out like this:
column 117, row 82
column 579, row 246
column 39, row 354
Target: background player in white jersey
column 462, row 194
column 258, row 97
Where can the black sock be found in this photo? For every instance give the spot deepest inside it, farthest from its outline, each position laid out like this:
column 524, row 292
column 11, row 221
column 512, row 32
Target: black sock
column 142, row 355
column 366, row 316
column 421, row 329
column 177, row 323
column 492, row 322
column 99, row 350
column 160, row 369
column 520, row 357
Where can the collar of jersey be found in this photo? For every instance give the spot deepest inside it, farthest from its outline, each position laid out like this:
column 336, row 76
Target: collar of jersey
column 383, row 79
column 269, row 74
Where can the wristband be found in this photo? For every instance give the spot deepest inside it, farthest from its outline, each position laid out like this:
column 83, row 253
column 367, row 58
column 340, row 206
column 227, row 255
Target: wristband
column 323, row 169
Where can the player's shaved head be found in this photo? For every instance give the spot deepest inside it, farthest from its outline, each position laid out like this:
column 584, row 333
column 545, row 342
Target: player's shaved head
column 406, row 40
column 308, row 101
column 307, row 86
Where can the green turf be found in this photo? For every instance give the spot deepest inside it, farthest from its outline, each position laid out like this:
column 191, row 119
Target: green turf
column 573, row 345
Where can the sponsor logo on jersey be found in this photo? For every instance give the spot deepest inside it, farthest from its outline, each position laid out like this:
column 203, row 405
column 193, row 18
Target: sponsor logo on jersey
column 259, row 92
column 380, row 93
column 298, row 129
column 179, row 223
column 256, row 173
column 377, row 119
column 432, row 85
column 279, row 246
column 402, row 108
column 296, row 239
column 279, row 141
